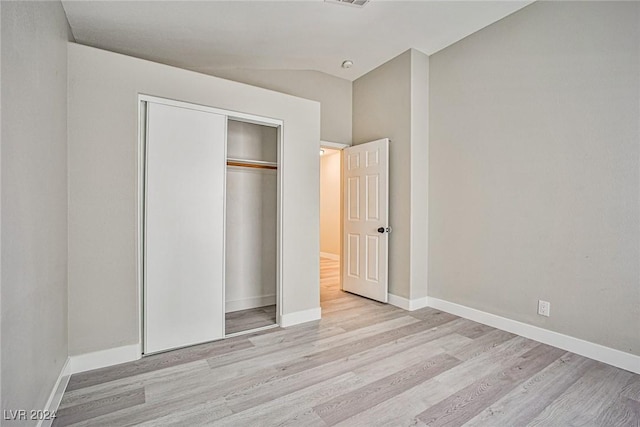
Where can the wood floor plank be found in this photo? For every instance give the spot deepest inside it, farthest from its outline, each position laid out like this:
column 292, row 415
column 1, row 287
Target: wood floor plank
column 364, row 321
column 157, row 362
column 281, row 408
column 348, row 349
column 632, row 388
column 476, row 330
column 426, row 312
column 150, row 412
column 259, row 393
column 260, row 367
column 470, row 401
column 278, row 410
column 524, row 403
column 253, row 372
column 402, row 409
column 178, row 373
column 200, row 414
column 245, row 320
column 583, row 402
column 484, row 364
column 348, row 302
column 412, row 352
column 347, row 314
column 98, row 407
column 292, row 337
column 366, row 371
column 346, row 405
column 623, row 412
column 290, row 378
column 482, row 344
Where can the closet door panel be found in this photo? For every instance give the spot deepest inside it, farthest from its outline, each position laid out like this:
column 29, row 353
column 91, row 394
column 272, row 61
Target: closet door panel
column 184, row 227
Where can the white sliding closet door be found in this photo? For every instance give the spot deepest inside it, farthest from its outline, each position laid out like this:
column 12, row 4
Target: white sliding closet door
column 184, row 227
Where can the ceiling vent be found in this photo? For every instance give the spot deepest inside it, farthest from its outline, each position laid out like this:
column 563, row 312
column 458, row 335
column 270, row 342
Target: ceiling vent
column 356, row 3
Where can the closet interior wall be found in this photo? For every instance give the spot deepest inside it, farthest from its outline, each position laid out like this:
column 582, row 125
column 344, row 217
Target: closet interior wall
column 251, row 217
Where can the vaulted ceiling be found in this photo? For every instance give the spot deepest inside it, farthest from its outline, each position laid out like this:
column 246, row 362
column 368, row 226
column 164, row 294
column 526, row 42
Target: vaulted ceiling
column 300, row 35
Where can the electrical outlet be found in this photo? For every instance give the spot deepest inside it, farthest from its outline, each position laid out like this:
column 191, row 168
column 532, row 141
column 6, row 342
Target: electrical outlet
column 544, row 308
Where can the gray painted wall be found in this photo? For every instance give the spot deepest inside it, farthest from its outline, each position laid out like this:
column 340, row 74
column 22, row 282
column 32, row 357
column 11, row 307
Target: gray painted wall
column 382, row 109
column 103, row 88
column 34, row 201
column 333, row 93
column 391, row 102
column 419, row 196
column 534, row 170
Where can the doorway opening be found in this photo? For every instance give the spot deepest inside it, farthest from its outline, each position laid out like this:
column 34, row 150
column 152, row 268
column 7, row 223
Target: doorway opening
column 354, row 232
column 330, row 220
column 251, row 227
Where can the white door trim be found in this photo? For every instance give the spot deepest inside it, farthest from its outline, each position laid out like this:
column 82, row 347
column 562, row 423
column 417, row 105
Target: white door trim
column 334, row 145
column 234, row 115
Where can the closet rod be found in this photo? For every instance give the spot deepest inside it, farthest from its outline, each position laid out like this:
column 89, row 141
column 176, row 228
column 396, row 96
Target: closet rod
column 257, row 164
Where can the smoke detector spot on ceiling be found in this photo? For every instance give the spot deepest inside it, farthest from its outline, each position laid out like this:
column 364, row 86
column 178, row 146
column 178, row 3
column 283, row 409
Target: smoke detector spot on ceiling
column 356, row 3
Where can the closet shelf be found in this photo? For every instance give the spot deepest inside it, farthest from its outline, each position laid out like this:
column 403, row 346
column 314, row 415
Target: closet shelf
column 257, row 164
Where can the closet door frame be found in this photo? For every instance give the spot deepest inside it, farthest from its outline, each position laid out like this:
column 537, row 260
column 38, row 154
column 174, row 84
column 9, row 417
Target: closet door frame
column 143, row 100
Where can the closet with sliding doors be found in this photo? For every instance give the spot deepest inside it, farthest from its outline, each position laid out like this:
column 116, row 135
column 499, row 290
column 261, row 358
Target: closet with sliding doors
column 210, row 223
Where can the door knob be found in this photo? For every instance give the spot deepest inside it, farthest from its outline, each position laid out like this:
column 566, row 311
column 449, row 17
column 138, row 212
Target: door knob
column 381, row 230
column 384, row 230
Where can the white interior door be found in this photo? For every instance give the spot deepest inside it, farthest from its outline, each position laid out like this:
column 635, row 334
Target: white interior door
column 184, row 227
column 366, row 219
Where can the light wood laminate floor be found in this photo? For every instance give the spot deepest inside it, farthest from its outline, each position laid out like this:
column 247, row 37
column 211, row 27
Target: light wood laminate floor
column 363, row 364
column 253, row 318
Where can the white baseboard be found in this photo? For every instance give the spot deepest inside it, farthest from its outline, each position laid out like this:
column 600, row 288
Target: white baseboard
column 407, row 304
column 298, row 317
column 104, row 358
column 329, row 255
column 584, row 348
column 246, row 303
column 56, row 393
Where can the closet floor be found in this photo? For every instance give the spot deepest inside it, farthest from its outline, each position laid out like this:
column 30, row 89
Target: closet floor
column 245, row 320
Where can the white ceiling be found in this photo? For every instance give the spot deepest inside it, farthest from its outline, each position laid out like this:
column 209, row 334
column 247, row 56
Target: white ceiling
column 300, row 35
